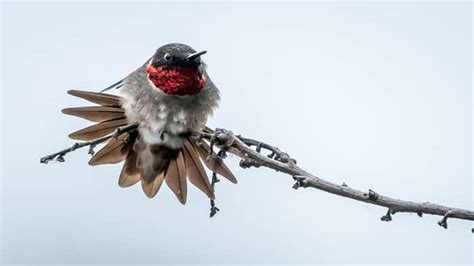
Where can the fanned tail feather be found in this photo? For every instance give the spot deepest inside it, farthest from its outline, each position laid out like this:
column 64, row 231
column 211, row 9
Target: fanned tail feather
column 130, row 173
column 103, row 99
column 151, row 187
column 195, row 170
column 96, row 113
column 150, row 164
column 115, row 151
column 98, row 130
column 175, row 178
column 152, row 159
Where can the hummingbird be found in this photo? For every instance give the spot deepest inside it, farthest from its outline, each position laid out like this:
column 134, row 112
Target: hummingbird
column 168, row 97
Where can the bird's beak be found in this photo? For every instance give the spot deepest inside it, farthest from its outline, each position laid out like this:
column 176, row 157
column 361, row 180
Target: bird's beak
column 191, row 57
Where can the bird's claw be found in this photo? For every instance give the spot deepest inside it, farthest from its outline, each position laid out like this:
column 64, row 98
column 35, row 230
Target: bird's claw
column 223, row 137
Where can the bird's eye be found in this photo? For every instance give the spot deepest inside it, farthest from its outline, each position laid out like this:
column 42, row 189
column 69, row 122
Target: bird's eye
column 167, row 57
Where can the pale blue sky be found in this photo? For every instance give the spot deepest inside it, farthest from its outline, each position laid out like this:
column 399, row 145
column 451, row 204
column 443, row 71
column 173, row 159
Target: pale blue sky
column 374, row 95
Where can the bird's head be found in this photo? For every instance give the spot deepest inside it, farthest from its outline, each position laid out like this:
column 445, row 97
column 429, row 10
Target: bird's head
column 176, row 69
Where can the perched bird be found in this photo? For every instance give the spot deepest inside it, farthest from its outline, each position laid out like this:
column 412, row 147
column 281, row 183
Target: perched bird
column 168, row 97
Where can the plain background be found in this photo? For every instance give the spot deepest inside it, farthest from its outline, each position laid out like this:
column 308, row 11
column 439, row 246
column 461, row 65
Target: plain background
column 376, row 95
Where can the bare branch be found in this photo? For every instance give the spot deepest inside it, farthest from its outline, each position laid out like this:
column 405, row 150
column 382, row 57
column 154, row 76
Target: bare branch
column 280, row 161
column 59, row 156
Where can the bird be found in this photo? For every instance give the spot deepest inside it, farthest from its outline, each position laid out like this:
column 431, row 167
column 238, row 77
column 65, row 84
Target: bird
column 168, row 97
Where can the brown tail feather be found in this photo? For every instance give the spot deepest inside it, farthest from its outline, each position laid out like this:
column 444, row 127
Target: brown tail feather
column 152, row 159
column 175, row 178
column 98, row 98
column 115, row 151
column 215, row 163
column 96, row 113
column 195, row 170
column 130, row 174
column 151, row 187
column 98, row 130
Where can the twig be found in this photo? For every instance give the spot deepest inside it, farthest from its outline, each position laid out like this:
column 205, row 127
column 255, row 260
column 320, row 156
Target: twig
column 214, row 208
column 59, row 156
column 280, row 161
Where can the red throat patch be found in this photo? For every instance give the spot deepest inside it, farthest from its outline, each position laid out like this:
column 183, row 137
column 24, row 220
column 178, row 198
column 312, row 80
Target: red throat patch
column 176, row 80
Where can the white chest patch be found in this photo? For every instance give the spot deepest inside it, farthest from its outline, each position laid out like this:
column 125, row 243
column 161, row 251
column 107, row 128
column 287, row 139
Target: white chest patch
column 165, row 128
column 152, row 137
